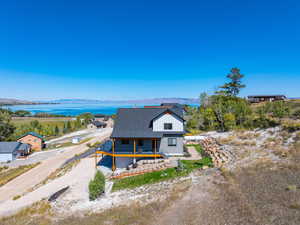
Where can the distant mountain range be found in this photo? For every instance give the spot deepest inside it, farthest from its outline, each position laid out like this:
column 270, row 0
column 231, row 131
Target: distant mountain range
column 139, row 101
column 153, row 101
column 9, row 101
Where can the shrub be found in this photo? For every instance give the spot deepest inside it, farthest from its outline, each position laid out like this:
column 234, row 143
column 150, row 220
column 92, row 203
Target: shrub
column 296, row 114
column 180, row 166
column 229, row 119
column 16, row 197
column 264, row 122
column 291, row 126
column 96, row 186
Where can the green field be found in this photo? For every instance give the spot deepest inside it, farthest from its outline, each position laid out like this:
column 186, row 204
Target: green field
column 48, row 127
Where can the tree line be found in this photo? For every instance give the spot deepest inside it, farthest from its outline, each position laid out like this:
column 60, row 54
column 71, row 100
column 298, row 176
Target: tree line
column 225, row 111
column 10, row 131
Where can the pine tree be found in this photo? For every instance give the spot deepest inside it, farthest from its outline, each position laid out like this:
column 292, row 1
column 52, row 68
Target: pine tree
column 69, row 126
column 56, row 131
column 233, row 87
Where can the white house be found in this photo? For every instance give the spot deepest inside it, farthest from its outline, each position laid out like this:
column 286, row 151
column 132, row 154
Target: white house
column 11, row 150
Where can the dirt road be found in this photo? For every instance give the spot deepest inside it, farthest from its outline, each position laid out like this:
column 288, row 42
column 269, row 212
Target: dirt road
column 36, row 175
column 78, row 188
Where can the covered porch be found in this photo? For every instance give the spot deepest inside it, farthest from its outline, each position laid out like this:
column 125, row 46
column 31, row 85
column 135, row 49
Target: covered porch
column 132, row 149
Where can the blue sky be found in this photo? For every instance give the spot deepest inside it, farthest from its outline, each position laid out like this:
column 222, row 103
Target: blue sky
column 144, row 49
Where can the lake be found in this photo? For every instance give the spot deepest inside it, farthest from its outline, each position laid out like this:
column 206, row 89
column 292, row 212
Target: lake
column 72, row 109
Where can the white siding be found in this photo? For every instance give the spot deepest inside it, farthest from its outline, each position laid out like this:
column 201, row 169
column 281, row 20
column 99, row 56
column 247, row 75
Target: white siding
column 4, row 157
column 171, row 150
column 177, row 123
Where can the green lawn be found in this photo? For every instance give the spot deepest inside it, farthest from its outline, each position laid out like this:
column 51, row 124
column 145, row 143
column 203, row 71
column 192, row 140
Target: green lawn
column 158, row 176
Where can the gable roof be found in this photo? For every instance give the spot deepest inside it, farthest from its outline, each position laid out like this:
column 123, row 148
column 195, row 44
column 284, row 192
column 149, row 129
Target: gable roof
column 33, row 134
column 175, row 111
column 98, row 123
column 136, row 122
column 10, row 147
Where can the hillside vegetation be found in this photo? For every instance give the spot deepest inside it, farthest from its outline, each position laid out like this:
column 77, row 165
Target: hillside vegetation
column 225, row 111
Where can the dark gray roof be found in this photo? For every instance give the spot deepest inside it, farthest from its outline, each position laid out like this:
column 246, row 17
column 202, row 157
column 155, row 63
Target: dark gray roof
column 10, row 147
column 24, row 146
column 136, row 122
column 265, row 96
column 172, row 104
column 98, row 123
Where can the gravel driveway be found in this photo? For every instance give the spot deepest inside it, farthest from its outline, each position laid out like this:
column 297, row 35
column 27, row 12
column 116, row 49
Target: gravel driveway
column 36, row 175
column 78, row 190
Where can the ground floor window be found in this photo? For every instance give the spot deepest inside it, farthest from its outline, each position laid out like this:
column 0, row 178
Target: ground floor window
column 125, row 141
column 172, row 141
column 140, row 142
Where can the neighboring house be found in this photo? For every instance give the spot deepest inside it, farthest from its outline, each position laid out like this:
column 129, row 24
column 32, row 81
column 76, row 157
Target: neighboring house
column 146, row 133
column 11, row 150
column 35, row 140
column 266, row 98
column 96, row 125
column 173, row 105
column 101, row 117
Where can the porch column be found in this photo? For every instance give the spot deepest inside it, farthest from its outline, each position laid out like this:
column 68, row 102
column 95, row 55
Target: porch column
column 134, row 150
column 155, row 149
column 96, row 158
column 113, row 157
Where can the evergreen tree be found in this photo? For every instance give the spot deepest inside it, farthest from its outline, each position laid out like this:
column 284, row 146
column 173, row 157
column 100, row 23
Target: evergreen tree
column 233, row 87
column 65, row 130
column 56, row 131
column 69, row 126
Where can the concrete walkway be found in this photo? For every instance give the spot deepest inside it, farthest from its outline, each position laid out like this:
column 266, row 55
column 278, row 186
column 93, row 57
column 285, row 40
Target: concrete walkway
column 24, row 182
column 193, row 152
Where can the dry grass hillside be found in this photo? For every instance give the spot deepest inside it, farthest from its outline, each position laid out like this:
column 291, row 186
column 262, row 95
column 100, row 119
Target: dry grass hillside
column 261, row 186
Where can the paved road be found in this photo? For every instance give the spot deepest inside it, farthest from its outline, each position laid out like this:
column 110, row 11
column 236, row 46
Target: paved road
column 86, row 133
column 36, row 175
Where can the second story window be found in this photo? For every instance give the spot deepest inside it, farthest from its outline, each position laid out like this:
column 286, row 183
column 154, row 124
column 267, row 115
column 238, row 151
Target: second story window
column 168, row 126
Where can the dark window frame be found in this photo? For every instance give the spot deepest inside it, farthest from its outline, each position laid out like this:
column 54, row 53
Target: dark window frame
column 168, row 126
column 170, row 142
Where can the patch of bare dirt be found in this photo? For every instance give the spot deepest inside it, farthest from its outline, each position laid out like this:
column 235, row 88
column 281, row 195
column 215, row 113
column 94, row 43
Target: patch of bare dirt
column 261, row 187
column 263, row 194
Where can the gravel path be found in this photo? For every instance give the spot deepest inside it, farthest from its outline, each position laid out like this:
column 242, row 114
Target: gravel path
column 36, row 175
column 75, row 179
